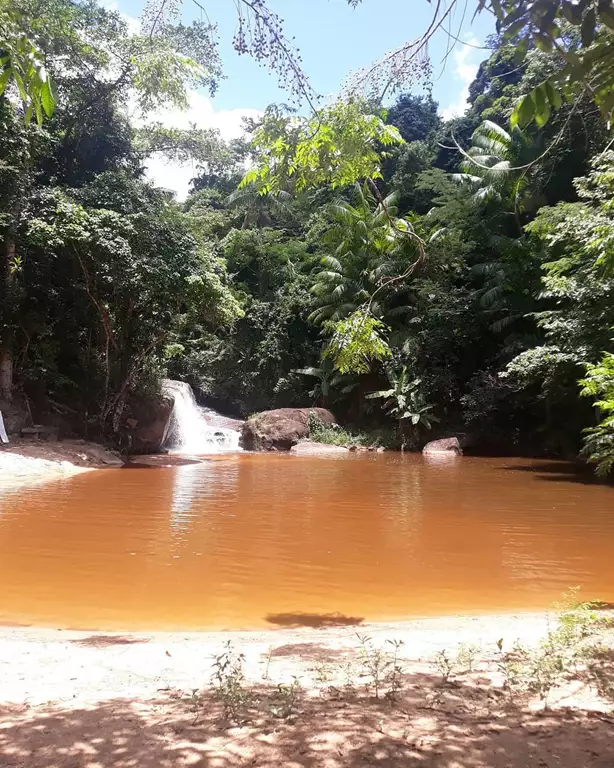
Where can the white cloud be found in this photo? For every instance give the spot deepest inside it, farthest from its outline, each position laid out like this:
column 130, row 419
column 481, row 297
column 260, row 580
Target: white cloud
column 134, row 25
column 466, row 65
column 202, row 114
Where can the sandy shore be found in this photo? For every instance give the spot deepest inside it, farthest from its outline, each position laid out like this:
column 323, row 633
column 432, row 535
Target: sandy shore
column 106, row 699
column 28, row 462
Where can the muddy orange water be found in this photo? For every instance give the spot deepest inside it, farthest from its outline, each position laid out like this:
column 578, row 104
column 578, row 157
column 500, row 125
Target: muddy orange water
column 247, row 541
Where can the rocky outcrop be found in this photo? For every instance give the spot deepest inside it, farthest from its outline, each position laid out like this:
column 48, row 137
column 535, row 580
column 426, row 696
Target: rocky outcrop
column 14, row 415
column 215, row 419
column 279, row 430
column 148, row 424
column 450, row 445
column 100, row 455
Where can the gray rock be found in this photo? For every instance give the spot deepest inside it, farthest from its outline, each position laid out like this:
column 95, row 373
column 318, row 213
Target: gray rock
column 152, row 417
column 102, row 456
column 446, row 445
column 310, row 448
column 280, row 429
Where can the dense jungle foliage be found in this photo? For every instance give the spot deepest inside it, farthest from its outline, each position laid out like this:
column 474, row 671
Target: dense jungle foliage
column 417, row 276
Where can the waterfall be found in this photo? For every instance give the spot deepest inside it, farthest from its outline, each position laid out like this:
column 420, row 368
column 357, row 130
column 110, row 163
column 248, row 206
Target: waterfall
column 193, row 429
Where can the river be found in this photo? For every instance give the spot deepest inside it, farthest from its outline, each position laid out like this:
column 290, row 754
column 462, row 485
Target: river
column 255, row 540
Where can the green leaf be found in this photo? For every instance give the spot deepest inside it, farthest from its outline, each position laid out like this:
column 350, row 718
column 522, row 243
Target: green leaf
column 498, row 10
column 523, row 112
column 553, row 95
column 543, row 42
column 514, row 29
column 48, row 99
column 20, row 86
column 520, row 53
column 589, row 22
column 4, row 78
column 571, row 12
column 516, row 12
column 606, row 104
column 542, row 107
column 38, row 110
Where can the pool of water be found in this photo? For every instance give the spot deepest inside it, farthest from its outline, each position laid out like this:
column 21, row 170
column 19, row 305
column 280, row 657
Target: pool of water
column 255, row 540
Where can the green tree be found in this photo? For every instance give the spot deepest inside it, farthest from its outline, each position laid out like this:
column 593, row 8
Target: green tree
column 329, row 382
column 94, row 75
column 405, row 401
column 599, row 440
column 578, row 289
column 22, row 67
column 338, row 145
column 136, row 276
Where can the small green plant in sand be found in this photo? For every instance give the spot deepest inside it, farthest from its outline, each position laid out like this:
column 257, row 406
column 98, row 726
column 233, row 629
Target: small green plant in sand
column 572, row 641
column 444, row 666
column 466, row 656
column 267, row 663
column 324, row 672
column 381, row 667
column 194, row 701
column 229, row 683
column 465, row 659
column 284, row 700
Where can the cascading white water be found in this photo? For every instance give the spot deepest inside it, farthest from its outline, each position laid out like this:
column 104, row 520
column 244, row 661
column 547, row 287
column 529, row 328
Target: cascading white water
column 193, row 429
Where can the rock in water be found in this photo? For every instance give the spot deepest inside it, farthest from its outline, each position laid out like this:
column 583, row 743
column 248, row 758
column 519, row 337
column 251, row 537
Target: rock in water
column 152, row 417
column 446, row 445
column 100, row 455
column 309, row 448
column 279, row 430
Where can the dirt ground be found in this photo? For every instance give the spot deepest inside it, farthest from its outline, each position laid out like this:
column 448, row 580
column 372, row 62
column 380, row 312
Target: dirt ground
column 93, row 700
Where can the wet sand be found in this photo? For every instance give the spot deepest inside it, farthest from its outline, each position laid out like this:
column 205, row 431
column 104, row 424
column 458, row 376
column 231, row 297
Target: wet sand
column 91, row 699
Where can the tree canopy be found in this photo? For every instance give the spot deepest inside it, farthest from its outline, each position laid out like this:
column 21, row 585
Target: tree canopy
column 417, row 275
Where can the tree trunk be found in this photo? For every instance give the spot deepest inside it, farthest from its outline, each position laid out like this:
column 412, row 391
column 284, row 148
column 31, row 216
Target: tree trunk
column 6, row 329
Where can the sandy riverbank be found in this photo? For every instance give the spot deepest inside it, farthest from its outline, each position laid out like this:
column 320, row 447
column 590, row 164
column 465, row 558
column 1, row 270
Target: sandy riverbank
column 91, row 699
column 28, row 462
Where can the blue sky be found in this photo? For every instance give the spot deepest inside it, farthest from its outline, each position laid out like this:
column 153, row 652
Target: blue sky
column 334, row 40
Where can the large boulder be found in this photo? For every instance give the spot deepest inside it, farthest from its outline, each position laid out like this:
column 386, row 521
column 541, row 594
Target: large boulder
column 450, row 445
column 148, row 423
column 101, row 455
column 14, row 415
column 279, row 430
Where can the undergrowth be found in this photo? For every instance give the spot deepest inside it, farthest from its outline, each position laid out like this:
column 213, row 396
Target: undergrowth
column 229, row 683
column 333, row 434
column 378, row 670
column 574, row 648
column 572, row 643
column 238, row 699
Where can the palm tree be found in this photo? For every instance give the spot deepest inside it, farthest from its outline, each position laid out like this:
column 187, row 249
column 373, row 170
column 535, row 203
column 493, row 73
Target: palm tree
column 368, row 244
column 259, row 209
column 327, row 380
column 489, row 165
column 405, row 402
